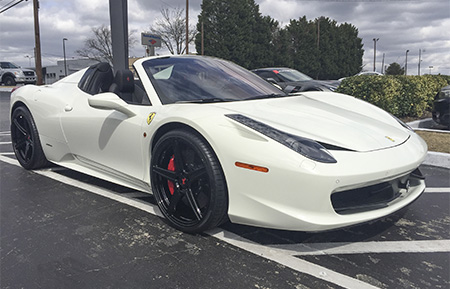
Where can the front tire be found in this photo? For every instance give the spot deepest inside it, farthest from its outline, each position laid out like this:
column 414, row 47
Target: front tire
column 188, row 182
column 9, row 81
column 25, row 140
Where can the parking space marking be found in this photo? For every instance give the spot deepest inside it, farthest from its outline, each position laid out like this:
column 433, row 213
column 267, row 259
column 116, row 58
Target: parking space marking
column 338, row 248
column 437, row 190
column 235, row 240
column 289, row 260
column 282, row 254
column 6, row 142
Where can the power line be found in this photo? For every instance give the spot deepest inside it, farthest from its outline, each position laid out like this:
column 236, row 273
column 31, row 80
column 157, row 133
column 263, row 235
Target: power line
column 11, row 5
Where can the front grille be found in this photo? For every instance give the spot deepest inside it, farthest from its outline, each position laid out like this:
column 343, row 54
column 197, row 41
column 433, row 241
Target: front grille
column 29, row 73
column 372, row 197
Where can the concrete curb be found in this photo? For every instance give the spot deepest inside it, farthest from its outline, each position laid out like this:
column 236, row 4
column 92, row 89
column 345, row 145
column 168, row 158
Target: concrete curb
column 6, row 88
column 436, row 159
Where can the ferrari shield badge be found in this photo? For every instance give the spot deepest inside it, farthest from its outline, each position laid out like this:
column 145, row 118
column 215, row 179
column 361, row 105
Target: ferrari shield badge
column 150, row 117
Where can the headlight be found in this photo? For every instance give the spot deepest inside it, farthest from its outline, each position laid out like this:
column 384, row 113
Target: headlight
column 19, row 73
column 444, row 94
column 306, row 147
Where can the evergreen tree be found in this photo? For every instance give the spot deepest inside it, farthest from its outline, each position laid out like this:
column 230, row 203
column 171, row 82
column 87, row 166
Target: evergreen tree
column 395, row 69
column 236, row 30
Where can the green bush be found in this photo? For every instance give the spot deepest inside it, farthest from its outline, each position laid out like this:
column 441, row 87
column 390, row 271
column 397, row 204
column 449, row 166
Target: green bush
column 403, row 96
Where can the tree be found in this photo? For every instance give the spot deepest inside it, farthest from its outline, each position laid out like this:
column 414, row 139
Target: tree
column 322, row 48
column 395, row 69
column 172, row 29
column 236, row 30
column 99, row 46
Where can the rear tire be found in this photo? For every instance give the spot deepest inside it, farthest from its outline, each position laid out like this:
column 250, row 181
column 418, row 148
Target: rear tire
column 188, row 182
column 25, row 140
column 9, row 81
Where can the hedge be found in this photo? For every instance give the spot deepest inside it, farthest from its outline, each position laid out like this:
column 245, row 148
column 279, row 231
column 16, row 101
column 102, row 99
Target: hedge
column 403, row 96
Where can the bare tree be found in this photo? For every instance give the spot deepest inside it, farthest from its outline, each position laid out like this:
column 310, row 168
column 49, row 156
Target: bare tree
column 99, row 46
column 172, row 29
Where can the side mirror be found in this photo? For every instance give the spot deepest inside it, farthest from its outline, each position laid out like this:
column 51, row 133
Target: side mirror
column 110, row 101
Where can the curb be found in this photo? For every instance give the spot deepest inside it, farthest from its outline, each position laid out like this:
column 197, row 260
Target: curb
column 6, row 88
column 436, row 159
column 427, row 124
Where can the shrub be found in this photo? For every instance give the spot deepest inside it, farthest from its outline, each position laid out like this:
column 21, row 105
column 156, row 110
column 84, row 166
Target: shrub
column 403, row 96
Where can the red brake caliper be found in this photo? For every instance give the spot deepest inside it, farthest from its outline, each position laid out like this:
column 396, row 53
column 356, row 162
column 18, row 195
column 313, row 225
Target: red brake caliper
column 171, row 167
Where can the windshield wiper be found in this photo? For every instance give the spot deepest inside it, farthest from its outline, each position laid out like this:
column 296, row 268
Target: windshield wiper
column 272, row 95
column 206, row 100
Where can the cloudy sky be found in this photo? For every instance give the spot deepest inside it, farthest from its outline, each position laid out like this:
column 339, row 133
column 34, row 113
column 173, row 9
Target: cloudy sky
column 400, row 25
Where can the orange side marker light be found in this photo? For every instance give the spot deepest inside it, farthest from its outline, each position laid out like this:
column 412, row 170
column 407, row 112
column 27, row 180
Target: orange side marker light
column 251, row 167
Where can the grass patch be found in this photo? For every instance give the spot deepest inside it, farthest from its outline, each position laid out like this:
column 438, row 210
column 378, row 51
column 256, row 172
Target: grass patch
column 436, row 141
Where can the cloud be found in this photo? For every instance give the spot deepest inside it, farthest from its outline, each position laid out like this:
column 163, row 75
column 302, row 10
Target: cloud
column 400, row 25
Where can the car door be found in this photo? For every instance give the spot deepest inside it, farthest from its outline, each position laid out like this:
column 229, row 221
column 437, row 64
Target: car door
column 106, row 140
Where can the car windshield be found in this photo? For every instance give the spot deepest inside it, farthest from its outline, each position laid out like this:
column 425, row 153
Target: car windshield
column 8, row 65
column 204, row 80
column 292, row 75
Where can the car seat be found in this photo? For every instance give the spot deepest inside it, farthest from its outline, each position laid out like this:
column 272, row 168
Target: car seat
column 123, row 85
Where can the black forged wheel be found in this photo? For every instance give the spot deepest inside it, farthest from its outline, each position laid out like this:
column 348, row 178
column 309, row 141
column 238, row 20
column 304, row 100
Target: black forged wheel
column 188, row 182
column 25, row 140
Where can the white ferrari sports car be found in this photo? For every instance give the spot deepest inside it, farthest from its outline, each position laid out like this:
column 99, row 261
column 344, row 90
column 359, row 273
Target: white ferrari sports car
column 214, row 142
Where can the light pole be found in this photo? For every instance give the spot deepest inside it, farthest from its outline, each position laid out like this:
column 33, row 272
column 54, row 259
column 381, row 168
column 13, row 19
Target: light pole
column 29, row 59
column 420, row 60
column 64, row 51
column 375, row 52
column 406, row 62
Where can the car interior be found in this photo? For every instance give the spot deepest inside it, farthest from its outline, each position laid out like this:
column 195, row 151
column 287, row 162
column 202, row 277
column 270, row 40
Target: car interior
column 100, row 78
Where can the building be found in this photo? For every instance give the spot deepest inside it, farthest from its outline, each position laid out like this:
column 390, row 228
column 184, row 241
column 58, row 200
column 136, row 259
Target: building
column 57, row 72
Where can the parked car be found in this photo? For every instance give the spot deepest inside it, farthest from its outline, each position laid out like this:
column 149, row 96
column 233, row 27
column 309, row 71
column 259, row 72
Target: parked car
column 441, row 107
column 11, row 74
column 291, row 80
column 371, row 73
column 214, row 142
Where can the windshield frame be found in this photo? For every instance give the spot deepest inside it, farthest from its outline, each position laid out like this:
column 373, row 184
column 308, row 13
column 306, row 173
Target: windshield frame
column 203, row 79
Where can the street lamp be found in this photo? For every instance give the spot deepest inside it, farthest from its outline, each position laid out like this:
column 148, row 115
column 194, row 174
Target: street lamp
column 29, row 59
column 375, row 52
column 420, row 60
column 64, row 51
column 406, row 63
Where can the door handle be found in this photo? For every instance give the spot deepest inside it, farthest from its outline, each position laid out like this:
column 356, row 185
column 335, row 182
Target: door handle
column 68, row 108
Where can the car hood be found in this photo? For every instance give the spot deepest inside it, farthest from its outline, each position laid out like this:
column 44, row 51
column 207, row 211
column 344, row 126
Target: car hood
column 330, row 118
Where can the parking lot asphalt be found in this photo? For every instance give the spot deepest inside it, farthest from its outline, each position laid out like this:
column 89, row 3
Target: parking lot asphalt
column 63, row 229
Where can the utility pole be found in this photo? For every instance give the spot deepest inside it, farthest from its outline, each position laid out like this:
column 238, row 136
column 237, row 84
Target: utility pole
column 37, row 39
column 375, row 52
column 203, row 41
column 420, row 60
column 64, row 52
column 187, row 26
column 318, row 32
column 406, row 62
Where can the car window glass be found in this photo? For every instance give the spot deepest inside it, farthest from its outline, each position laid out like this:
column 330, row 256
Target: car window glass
column 292, row 75
column 188, row 78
